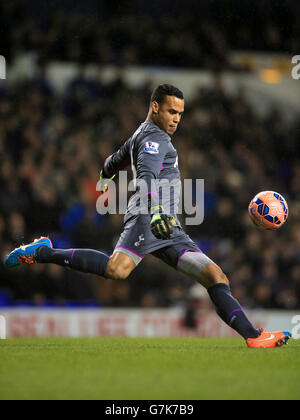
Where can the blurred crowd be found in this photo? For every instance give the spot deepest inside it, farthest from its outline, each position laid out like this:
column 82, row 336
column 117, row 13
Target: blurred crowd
column 129, row 32
column 53, row 146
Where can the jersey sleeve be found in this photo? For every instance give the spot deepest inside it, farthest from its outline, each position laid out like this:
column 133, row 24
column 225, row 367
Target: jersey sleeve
column 151, row 153
column 117, row 161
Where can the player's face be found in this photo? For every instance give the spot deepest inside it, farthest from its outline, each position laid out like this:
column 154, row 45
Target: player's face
column 168, row 114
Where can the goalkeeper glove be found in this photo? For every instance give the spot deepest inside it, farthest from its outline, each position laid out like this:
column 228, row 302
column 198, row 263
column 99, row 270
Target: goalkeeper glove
column 161, row 224
column 104, row 185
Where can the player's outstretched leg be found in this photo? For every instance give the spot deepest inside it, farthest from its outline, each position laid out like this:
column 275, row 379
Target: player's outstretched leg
column 41, row 251
column 26, row 254
column 199, row 267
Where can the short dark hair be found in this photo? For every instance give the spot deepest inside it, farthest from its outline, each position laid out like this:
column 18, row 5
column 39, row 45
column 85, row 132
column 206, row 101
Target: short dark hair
column 162, row 91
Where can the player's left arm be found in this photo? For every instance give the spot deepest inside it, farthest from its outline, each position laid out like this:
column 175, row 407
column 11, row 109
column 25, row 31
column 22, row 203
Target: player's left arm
column 151, row 154
column 161, row 223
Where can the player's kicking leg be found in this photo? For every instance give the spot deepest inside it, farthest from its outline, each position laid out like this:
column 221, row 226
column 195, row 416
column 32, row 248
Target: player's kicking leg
column 117, row 266
column 198, row 266
column 26, row 254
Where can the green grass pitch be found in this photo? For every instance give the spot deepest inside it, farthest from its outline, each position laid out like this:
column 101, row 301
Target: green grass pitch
column 141, row 368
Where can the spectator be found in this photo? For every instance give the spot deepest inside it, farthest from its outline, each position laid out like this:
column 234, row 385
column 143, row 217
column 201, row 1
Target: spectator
column 203, row 37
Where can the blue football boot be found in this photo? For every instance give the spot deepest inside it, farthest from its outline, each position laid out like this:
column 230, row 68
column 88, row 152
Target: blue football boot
column 26, row 253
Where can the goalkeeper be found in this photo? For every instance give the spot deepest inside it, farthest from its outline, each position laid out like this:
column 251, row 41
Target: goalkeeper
column 156, row 230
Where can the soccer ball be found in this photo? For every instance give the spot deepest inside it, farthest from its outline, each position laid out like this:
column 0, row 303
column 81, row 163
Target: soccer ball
column 268, row 210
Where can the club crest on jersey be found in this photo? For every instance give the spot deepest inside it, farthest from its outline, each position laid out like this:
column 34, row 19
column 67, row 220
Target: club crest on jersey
column 139, row 242
column 151, row 147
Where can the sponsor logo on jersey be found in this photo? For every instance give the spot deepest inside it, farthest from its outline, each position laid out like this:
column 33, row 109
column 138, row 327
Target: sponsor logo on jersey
column 151, row 147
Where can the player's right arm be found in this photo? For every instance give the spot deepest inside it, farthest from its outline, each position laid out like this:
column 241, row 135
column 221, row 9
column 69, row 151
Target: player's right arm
column 115, row 163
